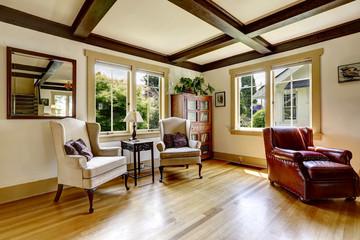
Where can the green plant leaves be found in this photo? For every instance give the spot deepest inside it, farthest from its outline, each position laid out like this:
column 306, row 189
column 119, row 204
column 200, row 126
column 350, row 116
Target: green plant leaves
column 193, row 85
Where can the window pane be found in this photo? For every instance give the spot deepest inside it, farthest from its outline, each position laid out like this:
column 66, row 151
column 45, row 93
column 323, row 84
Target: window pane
column 252, row 100
column 148, row 100
column 292, row 96
column 60, row 105
column 111, row 96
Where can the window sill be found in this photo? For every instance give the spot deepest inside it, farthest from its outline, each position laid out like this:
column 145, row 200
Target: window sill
column 250, row 132
column 127, row 136
column 258, row 132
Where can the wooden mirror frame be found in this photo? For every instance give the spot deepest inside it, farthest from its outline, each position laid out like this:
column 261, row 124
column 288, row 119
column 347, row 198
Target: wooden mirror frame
column 9, row 51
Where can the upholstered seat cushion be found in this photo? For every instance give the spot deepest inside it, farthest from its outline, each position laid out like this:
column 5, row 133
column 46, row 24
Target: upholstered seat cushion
column 99, row 165
column 180, row 152
column 326, row 170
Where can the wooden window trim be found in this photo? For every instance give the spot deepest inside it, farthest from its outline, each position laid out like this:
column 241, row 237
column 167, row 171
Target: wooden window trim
column 92, row 56
column 266, row 66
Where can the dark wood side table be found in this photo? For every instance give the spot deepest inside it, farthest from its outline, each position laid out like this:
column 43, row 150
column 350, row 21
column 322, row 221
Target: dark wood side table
column 137, row 147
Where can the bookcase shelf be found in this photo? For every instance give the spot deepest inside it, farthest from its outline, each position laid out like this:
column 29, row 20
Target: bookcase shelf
column 197, row 109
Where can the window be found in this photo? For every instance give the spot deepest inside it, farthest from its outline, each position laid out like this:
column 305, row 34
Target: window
column 288, row 105
column 62, row 103
column 111, row 85
column 292, row 80
column 148, row 99
column 279, row 92
column 117, row 85
column 252, row 100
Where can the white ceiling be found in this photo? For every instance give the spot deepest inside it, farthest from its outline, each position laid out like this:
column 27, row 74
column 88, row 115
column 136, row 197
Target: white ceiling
column 61, row 11
column 161, row 26
column 157, row 25
column 221, row 53
column 250, row 10
column 313, row 24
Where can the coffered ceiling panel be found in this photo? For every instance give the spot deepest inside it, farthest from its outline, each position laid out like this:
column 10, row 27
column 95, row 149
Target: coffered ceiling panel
column 221, row 53
column 250, row 10
column 328, row 19
column 157, row 25
column 61, row 11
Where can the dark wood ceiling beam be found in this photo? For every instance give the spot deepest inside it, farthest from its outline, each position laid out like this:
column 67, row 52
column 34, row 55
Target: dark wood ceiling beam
column 51, row 68
column 287, row 16
column 25, row 75
column 56, row 88
column 325, row 35
column 90, row 15
column 21, row 19
column 290, row 15
column 209, row 13
column 27, row 68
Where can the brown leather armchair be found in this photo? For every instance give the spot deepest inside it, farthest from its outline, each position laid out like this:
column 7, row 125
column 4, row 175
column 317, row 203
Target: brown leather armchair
column 305, row 170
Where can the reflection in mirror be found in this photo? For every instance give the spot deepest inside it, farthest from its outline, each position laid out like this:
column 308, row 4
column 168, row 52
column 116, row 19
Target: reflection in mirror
column 40, row 85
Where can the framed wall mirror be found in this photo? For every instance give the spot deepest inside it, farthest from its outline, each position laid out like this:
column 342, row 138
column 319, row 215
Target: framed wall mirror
column 40, row 85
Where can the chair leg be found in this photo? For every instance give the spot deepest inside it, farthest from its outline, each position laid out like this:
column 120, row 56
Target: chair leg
column 200, row 167
column 161, row 169
column 58, row 193
column 126, row 180
column 90, row 193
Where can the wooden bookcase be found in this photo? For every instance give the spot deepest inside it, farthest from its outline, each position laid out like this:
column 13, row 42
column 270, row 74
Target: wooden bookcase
column 197, row 109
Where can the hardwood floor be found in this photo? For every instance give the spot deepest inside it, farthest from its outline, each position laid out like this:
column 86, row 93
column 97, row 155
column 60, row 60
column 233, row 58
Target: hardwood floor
column 230, row 202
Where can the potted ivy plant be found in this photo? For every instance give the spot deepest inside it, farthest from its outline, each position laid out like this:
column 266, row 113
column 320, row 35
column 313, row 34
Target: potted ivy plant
column 196, row 86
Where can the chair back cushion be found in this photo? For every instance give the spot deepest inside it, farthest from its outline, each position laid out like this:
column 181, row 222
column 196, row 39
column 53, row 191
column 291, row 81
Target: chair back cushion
column 172, row 125
column 288, row 138
column 75, row 129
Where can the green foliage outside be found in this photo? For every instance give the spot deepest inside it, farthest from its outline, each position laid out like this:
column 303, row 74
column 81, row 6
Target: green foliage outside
column 147, row 98
column 246, row 106
column 148, row 102
column 259, row 119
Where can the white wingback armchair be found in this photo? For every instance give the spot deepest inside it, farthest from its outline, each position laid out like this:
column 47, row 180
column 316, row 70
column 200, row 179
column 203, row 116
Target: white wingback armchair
column 178, row 156
column 75, row 170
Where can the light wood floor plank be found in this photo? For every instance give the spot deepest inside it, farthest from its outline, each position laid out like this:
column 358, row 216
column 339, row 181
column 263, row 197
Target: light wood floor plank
column 230, row 202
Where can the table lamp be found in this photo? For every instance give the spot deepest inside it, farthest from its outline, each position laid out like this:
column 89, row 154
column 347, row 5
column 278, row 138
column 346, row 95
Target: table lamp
column 133, row 116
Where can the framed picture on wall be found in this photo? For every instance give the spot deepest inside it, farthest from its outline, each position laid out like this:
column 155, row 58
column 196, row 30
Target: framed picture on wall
column 45, row 101
column 220, row 99
column 349, row 73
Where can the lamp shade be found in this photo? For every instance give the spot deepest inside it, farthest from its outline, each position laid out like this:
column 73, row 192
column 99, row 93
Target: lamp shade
column 133, row 116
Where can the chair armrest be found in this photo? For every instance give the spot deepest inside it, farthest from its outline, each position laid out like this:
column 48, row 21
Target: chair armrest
column 335, row 155
column 75, row 161
column 287, row 154
column 195, row 144
column 109, row 151
column 160, row 146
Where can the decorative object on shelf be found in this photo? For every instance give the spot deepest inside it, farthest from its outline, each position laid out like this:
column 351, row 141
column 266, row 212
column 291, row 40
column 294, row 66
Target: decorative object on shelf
column 197, row 109
column 196, row 85
column 220, row 99
column 133, row 116
column 349, row 73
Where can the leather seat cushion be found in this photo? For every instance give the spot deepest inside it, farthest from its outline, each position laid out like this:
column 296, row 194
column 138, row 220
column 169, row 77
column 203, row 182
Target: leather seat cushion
column 180, row 152
column 326, row 170
column 100, row 165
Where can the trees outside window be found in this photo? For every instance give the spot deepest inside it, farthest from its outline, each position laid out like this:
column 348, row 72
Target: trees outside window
column 252, row 100
column 111, row 97
column 148, row 100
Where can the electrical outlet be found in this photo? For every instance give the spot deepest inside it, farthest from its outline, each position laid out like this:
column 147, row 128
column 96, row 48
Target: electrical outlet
column 240, row 159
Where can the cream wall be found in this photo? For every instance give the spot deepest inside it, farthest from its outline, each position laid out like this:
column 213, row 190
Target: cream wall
column 26, row 151
column 340, row 109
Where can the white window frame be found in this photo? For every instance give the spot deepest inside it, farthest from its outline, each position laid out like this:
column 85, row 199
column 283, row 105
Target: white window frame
column 315, row 94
